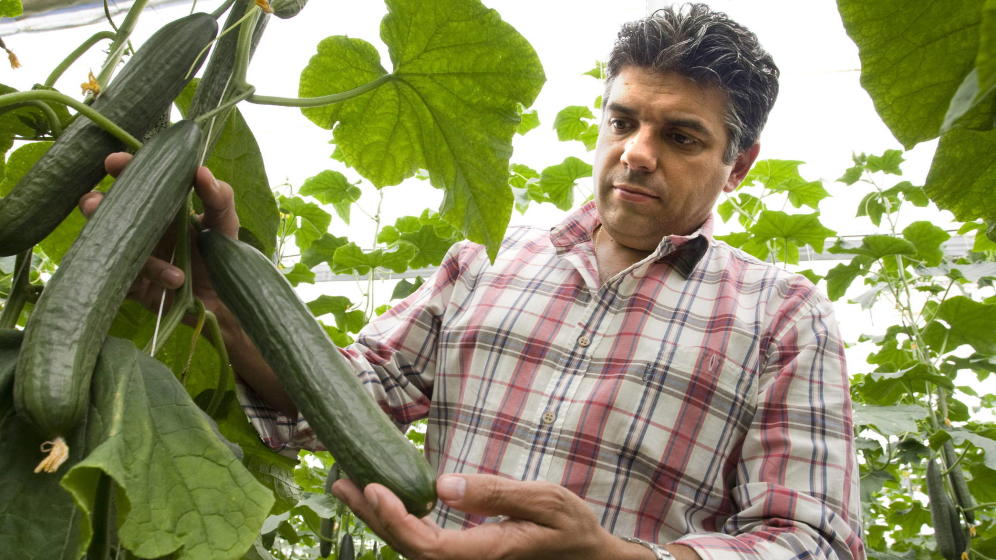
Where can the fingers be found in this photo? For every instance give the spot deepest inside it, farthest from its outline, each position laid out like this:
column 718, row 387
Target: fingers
column 219, row 203
column 89, row 202
column 115, row 162
column 542, row 503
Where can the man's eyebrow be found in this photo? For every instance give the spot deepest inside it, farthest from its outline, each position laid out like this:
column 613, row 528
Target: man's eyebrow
column 691, row 124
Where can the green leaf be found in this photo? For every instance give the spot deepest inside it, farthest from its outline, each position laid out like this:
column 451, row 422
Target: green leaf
column 791, row 231
column 781, row 175
column 597, row 71
column 879, row 247
column 10, row 8
column 962, row 174
column 888, row 162
column 927, row 239
column 988, row 446
column 557, row 181
column 404, row 288
column 38, row 518
column 299, row 273
column 166, row 462
column 985, row 63
column 529, row 120
column 572, row 122
column 851, row 175
column 889, row 420
column 27, row 121
column 431, row 236
column 913, row 58
column 969, row 322
column 322, row 250
column 350, row 258
column 332, row 187
column 449, row 107
column 310, row 220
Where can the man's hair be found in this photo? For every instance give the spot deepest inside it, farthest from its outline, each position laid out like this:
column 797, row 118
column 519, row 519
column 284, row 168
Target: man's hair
column 711, row 49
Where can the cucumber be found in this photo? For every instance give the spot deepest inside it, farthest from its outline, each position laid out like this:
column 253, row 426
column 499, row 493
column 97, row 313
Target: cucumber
column 10, row 344
column 135, row 99
column 318, row 378
column 947, row 524
column 957, row 479
column 285, row 9
column 64, row 334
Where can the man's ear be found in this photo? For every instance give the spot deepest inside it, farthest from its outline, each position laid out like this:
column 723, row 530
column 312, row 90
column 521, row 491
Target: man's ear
column 741, row 166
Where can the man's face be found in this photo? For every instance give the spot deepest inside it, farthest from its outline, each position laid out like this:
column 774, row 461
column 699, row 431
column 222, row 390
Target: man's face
column 659, row 160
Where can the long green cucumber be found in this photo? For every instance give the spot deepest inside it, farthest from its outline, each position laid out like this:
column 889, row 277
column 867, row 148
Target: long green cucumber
column 957, row 478
column 947, row 524
column 134, row 100
column 319, row 379
column 63, row 336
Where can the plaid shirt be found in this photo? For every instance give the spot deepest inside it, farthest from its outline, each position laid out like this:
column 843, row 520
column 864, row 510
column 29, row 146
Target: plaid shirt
column 699, row 396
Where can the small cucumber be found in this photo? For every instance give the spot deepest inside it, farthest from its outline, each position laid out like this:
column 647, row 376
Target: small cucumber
column 318, row 378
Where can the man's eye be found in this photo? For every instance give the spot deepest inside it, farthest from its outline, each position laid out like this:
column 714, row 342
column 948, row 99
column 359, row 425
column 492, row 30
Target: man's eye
column 618, row 125
column 682, row 139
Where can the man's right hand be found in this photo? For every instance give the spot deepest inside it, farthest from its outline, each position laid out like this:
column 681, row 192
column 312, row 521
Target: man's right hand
column 159, row 276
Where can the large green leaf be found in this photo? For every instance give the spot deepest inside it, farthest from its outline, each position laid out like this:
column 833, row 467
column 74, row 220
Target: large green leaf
column 38, row 519
column 428, row 233
column 890, row 420
column 310, row 221
column 968, row 322
column 178, row 487
column 963, row 173
column 450, row 106
column 914, row 56
column 985, row 64
column 350, row 258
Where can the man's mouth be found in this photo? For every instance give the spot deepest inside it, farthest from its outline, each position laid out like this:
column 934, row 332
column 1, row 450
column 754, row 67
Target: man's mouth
column 636, row 194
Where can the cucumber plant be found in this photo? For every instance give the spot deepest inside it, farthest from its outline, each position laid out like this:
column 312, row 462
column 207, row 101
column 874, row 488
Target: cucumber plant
column 56, row 391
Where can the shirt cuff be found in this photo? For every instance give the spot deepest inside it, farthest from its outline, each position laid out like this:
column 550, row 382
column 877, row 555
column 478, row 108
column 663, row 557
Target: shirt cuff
column 279, row 432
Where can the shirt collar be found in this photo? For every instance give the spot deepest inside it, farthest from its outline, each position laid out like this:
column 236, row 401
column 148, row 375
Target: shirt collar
column 683, row 251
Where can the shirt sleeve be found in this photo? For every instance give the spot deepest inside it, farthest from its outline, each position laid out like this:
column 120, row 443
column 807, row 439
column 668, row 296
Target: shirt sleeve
column 394, row 355
column 797, row 484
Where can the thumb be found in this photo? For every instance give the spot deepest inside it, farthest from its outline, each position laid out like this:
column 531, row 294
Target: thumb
column 542, row 503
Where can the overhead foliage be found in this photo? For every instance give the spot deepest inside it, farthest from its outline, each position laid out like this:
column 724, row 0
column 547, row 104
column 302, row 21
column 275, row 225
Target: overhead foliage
column 929, row 68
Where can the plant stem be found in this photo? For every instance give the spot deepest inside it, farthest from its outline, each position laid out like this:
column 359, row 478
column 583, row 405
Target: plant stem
column 74, row 56
column 120, row 41
column 224, row 106
column 222, row 9
column 83, row 108
column 322, row 100
column 184, row 300
column 244, row 50
column 225, row 373
column 19, row 288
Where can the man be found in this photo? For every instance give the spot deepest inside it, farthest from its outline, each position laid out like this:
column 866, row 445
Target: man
column 623, row 375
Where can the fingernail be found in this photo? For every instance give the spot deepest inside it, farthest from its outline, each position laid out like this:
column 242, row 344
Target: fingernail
column 451, row 487
column 171, row 277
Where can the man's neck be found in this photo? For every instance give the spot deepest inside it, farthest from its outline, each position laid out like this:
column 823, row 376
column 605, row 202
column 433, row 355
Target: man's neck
column 612, row 257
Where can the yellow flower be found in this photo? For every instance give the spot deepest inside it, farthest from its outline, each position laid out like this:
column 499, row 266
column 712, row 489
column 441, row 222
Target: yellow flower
column 265, row 6
column 91, row 85
column 14, row 63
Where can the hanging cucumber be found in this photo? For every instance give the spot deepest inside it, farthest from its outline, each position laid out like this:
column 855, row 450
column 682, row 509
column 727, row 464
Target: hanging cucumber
column 135, row 99
column 947, row 524
column 70, row 321
column 318, row 378
column 285, row 9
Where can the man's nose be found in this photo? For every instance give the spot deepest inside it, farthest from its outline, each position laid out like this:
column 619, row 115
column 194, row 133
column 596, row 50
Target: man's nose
column 640, row 152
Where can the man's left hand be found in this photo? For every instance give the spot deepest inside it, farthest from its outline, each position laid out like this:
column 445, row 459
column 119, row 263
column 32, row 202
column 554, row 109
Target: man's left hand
column 543, row 520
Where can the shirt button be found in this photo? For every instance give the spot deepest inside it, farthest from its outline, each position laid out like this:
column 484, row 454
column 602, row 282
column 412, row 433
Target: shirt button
column 584, row 341
column 548, row 418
